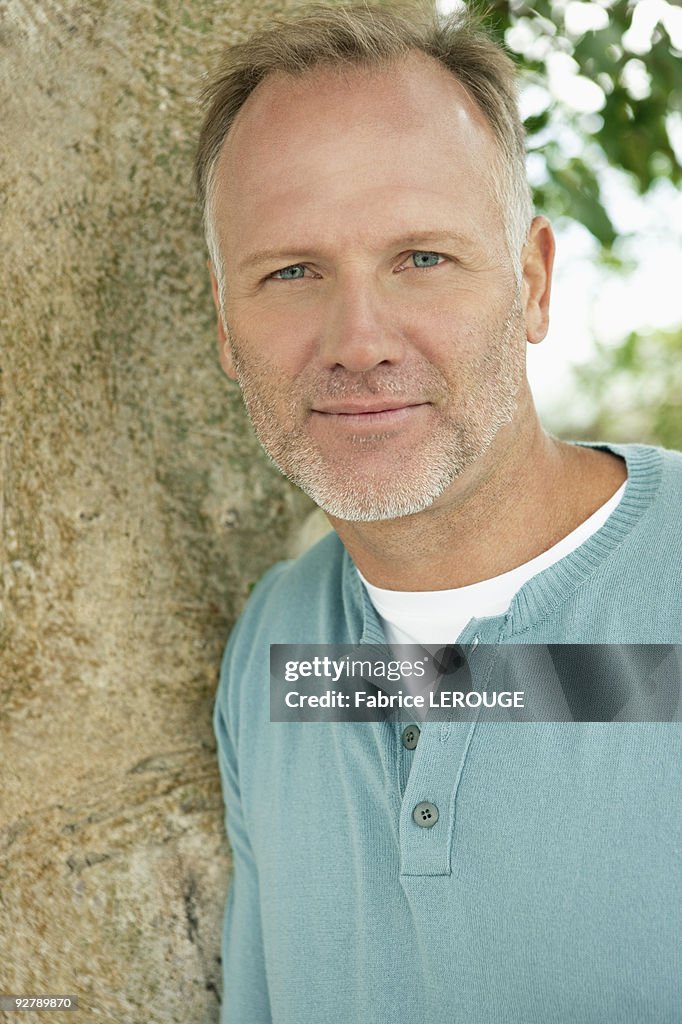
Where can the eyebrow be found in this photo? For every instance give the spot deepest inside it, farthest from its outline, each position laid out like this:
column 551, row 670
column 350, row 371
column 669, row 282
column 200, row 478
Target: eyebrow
column 291, row 256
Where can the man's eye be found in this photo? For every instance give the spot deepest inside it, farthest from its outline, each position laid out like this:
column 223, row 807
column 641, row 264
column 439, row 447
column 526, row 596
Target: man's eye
column 425, row 259
column 292, row 273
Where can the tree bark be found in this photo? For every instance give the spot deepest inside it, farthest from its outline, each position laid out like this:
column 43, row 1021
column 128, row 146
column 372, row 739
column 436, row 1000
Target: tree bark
column 136, row 508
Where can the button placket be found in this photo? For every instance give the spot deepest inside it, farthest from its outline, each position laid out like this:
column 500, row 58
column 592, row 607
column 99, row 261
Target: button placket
column 428, row 803
column 407, row 739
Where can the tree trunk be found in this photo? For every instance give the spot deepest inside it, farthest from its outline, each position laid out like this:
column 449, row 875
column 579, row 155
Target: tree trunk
column 136, row 510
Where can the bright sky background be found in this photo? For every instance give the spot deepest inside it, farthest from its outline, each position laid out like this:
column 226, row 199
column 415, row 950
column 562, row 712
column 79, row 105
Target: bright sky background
column 589, row 302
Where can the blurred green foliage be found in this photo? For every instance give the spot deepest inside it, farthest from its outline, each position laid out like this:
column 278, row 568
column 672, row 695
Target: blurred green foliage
column 633, row 98
column 619, row 110
column 636, row 389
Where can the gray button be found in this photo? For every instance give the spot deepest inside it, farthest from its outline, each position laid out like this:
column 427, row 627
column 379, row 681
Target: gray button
column 425, row 814
column 410, row 737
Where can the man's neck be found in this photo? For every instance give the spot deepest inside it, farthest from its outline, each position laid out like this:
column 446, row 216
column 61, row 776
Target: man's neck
column 523, row 496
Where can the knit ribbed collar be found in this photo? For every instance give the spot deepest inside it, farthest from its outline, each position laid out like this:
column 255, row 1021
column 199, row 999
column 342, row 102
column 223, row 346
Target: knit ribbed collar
column 540, row 595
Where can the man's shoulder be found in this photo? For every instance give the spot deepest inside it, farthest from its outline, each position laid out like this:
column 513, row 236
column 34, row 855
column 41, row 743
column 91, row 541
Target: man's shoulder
column 672, row 470
column 659, row 484
column 296, row 601
column 669, row 458
column 654, row 472
column 297, row 593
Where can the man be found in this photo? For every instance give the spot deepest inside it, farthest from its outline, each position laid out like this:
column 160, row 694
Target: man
column 377, row 272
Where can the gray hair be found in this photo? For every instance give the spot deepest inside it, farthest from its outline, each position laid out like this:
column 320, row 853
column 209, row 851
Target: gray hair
column 372, row 36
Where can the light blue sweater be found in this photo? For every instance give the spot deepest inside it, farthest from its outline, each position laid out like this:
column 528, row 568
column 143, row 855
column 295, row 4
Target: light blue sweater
column 550, row 889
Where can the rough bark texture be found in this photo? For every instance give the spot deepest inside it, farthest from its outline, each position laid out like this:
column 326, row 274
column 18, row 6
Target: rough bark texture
column 136, row 511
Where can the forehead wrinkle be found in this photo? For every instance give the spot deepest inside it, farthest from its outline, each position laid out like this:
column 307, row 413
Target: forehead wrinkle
column 362, row 225
column 424, row 237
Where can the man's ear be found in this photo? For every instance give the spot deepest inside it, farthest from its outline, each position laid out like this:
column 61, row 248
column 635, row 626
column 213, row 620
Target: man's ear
column 537, row 260
column 223, row 344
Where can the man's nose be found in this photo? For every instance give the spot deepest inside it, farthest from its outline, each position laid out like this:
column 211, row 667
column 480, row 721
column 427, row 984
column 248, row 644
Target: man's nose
column 361, row 328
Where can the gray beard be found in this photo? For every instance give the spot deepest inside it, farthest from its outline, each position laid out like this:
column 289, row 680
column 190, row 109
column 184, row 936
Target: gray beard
column 454, row 444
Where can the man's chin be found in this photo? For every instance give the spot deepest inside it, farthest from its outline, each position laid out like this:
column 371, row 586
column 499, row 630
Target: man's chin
column 369, row 491
column 352, row 507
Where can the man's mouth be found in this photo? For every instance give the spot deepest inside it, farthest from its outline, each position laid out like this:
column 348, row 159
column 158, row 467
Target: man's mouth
column 364, row 407
column 368, row 412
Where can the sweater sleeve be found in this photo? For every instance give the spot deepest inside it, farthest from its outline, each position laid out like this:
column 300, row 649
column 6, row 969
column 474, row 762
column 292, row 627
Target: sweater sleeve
column 245, row 989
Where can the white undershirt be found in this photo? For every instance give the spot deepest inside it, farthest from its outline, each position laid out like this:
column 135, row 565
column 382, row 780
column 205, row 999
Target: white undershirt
column 439, row 616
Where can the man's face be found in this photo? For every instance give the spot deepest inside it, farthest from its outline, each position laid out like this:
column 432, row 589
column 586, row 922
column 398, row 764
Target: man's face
column 371, row 314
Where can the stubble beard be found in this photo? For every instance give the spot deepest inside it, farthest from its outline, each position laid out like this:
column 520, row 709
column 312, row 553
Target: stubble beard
column 343, row 489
